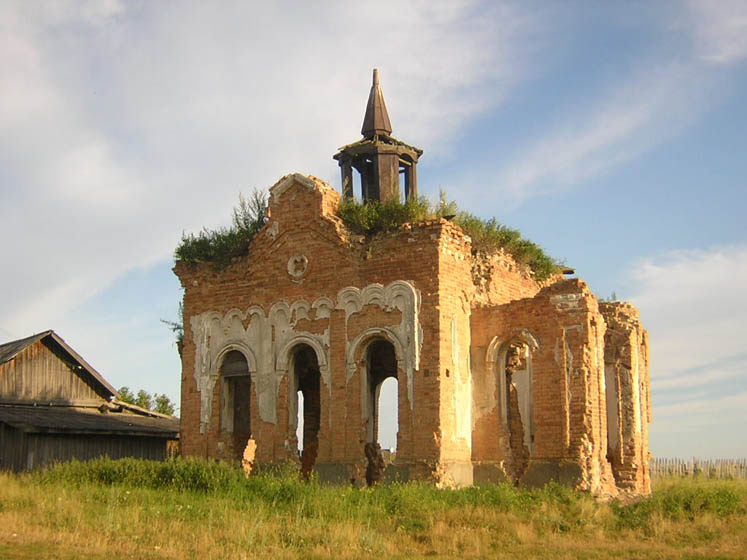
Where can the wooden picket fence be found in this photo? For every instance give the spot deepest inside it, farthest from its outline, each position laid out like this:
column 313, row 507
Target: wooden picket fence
column 713, row 468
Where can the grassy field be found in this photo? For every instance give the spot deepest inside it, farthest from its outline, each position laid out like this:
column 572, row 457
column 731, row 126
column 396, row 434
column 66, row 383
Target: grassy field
column 191, row 509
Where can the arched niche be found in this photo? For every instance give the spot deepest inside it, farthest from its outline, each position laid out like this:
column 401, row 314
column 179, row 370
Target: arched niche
column 235, row 372
column 509, row 360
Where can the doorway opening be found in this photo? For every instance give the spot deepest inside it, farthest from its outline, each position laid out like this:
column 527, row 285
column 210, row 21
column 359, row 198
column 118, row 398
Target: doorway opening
column 236, row 401
column 383, row 394
column 306, row 400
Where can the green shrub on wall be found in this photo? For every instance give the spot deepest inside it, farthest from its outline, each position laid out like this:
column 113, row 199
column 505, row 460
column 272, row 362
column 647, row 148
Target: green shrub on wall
column 220, row 246
column 487, row 236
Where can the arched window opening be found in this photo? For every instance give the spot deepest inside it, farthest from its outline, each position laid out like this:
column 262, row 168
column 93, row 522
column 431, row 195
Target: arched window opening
column 387, row 414
column 383, row 397
column 307, row 404
column 236, row 398
column 518, row 403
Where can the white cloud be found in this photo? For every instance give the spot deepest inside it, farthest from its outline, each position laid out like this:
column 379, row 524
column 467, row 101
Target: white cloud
column 125, row 124
column 633, row 115
column 719, row 30
column 639, row 108
column 694, row 307
column 692, row 304
column 709, row 427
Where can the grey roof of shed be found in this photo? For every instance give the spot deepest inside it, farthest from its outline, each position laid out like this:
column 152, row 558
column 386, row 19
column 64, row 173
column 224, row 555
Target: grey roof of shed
column 91, row 421
column 10, row 349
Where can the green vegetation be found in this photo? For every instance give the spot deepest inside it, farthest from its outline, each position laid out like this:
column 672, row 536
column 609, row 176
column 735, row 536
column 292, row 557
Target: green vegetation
column 186, row 508
column 157, row 403
column 487, row 236
column 220, row 246
column 374, row 217
column 177, row 327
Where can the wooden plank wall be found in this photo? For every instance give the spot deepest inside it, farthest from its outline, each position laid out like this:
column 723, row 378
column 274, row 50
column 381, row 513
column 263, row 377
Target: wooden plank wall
column 38, row 374
column 12, row 449
column 713, row 468
column 22, row 451
column 43, row 449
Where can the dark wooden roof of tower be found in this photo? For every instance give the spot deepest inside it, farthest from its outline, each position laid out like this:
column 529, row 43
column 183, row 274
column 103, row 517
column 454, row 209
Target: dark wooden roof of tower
column 376, row 120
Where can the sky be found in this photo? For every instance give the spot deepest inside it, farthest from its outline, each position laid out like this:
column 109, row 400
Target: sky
column 612, row 134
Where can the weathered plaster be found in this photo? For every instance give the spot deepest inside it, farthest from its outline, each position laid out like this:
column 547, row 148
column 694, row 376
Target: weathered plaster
column 407, row 337
column 214, row 334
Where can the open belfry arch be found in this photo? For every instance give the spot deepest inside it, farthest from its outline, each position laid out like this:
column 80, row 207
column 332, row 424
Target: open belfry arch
column 500, row 377
column 379, row 158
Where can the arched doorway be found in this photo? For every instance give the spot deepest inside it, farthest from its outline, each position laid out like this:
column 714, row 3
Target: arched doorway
column 306, row 404
column 382, row 392
column 236, row 399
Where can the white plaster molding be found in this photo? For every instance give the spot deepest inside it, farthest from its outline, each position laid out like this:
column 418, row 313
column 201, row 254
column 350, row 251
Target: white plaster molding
column 283, row 355
column 287, row 182
column 300, row 310
column 349, row 299
column 239, row 346
column 323, row 307
column 495, row 362
column 263, row 341
column 389, row 335
column 462, row 393
column 400, row 295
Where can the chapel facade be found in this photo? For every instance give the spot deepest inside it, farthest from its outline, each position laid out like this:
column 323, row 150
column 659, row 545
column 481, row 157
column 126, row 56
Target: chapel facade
column 500, row 377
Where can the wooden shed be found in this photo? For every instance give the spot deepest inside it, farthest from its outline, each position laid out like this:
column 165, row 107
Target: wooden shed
column 55, row 407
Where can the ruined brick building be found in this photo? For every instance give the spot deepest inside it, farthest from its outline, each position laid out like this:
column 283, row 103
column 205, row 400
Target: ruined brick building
column 499, row 377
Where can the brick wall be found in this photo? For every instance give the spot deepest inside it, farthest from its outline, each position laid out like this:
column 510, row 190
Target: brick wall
column 450, row 316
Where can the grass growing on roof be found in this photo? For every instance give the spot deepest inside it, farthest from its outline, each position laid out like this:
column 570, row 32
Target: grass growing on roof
column 488, row 235
column 220, row 246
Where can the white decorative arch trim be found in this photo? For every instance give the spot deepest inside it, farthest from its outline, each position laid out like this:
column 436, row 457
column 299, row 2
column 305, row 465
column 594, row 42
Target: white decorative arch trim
column 388, row 334
column 239, row 346
column 400, row 295
column 265, row 341
column 283, row 356
column 323, row 307
column 495, row 361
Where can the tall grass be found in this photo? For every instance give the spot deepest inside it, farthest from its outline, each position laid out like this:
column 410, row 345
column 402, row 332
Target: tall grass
column 198, row 509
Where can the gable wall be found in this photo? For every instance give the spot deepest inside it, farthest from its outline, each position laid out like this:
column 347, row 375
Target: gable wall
column 37, row 374
column 262, row 283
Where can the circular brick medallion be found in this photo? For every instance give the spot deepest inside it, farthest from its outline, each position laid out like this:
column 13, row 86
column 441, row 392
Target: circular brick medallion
column 297, row 266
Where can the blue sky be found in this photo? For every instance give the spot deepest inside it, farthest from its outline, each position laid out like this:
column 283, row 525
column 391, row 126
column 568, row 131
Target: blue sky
column 613, row 134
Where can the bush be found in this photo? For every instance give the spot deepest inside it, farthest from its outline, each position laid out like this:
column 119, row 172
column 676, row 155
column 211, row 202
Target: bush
column 220, row 246
column 487, row 236
column 178, row 474
column 375, row 217
column 683, row 501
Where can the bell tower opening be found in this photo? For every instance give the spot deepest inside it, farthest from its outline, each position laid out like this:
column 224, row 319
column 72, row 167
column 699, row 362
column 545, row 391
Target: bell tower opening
column 379, row 158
